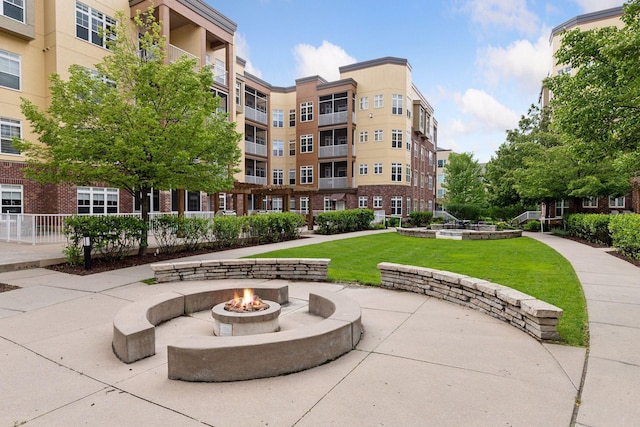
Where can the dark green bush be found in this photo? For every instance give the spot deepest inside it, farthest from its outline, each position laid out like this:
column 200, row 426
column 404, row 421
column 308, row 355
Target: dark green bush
column 420, row 219
column 335, row 222
column 225, row 230
column 274, row 227
column 625, row 234
column 465, row 211
column 533, row 225
column 590, row 227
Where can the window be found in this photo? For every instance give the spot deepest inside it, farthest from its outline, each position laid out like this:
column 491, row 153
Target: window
column 377, row 135
column 441, row 163
column 396, row 138
column 562, row 208
column 364, row 169
column 9, row 70
column 238, row 93
column 415, row 178
column 441, row 193
column 440, row 178
column 396, row 172
column 97, row 200
column 430, row 182
column 292, row 118
column 306, row 143
column 364, row 136
column 378, row 101
column 407, row 170
column 364, row 103
column 278, row 118
column 191, row 200
column 11, row 198
column 590, row 202
column 327, row 204
column 616, row 202
column 363, row 202
column 304, row 204
column 292, row 176
column 377, row 202
column 396, row 104
column 396, row 205
column 292, row 148
column 276, row 204
column 306, row 174
column 409, row 104
column 430, row 158
column 9, row 129
column 292, row 203
column 409, row 142
column 306, row 111
column 278, row 176
column 13, row 9
column 422, row 180
column 278, row 148
column 91, row 25
column 377, row 168
column 415, row 151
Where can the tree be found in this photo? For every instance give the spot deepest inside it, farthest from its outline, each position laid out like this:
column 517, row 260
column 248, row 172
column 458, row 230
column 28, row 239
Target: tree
column 463, row 180
column 138, row 124
column 599, row 105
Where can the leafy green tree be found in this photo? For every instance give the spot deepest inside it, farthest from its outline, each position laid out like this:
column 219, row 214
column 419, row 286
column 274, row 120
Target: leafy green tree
column 140, row 123
column 463, row 180
column 598, row 105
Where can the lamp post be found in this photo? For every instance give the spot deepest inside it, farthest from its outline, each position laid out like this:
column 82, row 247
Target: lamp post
column 87, row 252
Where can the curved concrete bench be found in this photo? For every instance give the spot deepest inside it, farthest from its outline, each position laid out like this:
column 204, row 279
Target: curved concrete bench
column 215, row 359
column 460, row 234
column 134, row 335
column 537, row 318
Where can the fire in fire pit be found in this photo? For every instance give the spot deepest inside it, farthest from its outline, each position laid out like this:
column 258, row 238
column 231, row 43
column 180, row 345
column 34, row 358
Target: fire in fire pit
column 248, row 303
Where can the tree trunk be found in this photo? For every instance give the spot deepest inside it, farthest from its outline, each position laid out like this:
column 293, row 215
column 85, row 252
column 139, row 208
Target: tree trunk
column 143, row 201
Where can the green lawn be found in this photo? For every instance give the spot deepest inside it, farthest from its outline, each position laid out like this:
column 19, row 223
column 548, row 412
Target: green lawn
column 524, row 264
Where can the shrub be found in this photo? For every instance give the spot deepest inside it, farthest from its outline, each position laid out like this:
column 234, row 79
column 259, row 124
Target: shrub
column 420, row 219
column 225, row 230
column 533, row 225
column 464, row 211
column 165, row 230
column 334, row 222
column 625, row 234
column 590, row 227
column 275, row 227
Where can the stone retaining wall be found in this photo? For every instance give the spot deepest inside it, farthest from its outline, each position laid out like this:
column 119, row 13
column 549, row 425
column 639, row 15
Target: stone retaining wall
column 313, row 269
column 464, row 234
column 535, row 317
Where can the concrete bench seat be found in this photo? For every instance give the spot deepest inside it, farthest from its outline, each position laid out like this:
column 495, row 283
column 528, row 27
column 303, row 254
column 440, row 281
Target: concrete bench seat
column 217, row 359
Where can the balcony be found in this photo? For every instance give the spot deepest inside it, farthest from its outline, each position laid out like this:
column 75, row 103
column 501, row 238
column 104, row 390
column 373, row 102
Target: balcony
column 252, row 179
column 219, row 74
column 257, row 149
column 255, row 115
column 332, row 183
column 176, row 53
column 333, row 151
column 329, row 119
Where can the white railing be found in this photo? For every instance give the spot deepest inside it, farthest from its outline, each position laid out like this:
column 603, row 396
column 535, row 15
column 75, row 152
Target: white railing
column 253, row 148
column 333, row 183
column 333, row 150
column 523, row 217
column 378, row 217
column 252, row 179
column 175, row 53
column 255, row 115
column 332, row 118
column 219, row 74
column 443, row 214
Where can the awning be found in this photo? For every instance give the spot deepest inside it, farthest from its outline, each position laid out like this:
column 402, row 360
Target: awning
column 338, row 196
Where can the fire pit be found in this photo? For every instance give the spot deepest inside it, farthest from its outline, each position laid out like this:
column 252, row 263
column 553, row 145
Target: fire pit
column 248, row 315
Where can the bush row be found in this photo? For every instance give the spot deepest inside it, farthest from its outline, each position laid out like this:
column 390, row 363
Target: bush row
column 625, row 234
column 114, row 237
column 335, row 222
column 590, row 227
column 420, row 219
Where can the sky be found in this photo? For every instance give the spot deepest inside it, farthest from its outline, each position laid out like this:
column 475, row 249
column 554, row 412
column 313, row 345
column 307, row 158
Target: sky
column 479, row 63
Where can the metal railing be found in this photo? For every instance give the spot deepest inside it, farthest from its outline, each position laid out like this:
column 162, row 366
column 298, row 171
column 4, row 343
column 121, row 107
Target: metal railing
column 333, row 182
column 339, row 150
column 526, row 216
column 175, row 53
column 255, row 115
column 254, row 148
column 332, row 118
column 444, row 214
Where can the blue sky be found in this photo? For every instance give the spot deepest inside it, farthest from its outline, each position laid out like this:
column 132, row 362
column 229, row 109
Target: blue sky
column 478, row 62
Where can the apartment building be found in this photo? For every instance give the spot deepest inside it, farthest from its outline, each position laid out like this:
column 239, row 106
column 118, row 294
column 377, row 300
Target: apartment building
column 366, row 140
column 442, row 156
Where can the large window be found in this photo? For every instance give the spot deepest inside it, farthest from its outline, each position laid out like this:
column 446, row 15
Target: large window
column 396, row 138
column 377, row 202
column 292, row 148
column 306, row 143
column 92, row 25
column 238, row 95
column 11, row 198
column 377, row 168
column 278, row 148
column 408, row 173
column 364, row 169
column 396, row 104
column 97, row 200
column 364, row 103
column 278, row 177
column 441, row 163
column 396, row 205
column 378, row 101
column 363, row 202
column 9, row 70
column 562, row 208
column 278, row 118
column 9, row 129
column 306, row 174
column 590, row 202
column 396, row 172
column 292, row 118
column 364, row 136
column 616, row 202
column 192, row 200
column 306, row 111
column 13, row 9
column 304, row 204
column 378, row 135
column 292, row 177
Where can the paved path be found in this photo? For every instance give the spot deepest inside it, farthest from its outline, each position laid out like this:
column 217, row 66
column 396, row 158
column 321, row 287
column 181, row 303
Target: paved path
column 421, row 361
column 611, row 391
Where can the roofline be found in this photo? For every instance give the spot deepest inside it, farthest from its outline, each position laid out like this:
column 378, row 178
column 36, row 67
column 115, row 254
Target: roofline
column 588, row 17
column 375, row 62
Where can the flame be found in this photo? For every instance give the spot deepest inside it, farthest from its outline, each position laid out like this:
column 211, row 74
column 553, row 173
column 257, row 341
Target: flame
column 247, row 298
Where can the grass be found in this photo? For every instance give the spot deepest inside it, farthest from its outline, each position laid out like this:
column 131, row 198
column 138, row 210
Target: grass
column 523, row 264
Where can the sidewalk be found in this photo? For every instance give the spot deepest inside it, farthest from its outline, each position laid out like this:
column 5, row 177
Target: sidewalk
column 611, row 390
column 421, row 361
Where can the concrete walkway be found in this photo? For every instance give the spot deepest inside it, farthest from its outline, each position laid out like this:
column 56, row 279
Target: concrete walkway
column 421, row 361
column 611, row 391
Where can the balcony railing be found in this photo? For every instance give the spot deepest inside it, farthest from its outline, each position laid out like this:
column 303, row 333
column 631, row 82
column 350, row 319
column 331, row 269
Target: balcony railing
column 255, row 115
column 175, row 53
column 254, row 148
column 333, row 182
column 332, row 118
column 252, row 179
column 219, row 74
column 333, row 151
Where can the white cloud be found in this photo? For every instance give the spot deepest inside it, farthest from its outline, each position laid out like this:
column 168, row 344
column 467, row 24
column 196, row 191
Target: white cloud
column 506, row 14
column 523, row 62
column 242, row 50
column 323, row 60
column 486, row 112
column 594, row 5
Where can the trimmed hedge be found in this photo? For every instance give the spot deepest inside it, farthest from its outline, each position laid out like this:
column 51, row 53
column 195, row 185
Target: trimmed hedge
column 625, row 234
column 420, row 219
column 593, row 228
column 335, row 222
